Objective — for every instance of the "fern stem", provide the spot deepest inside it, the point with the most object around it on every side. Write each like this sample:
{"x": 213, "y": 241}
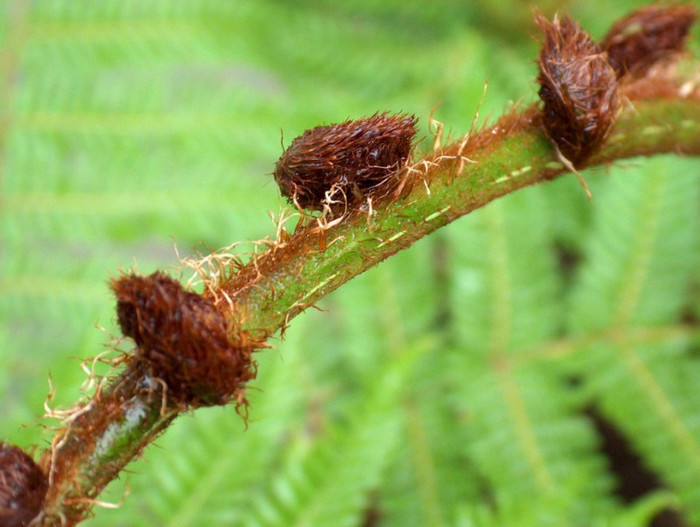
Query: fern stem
{"x": 293, "y": 275}
{"x": 99, "y": 440}
{"x": 102, "y": 437}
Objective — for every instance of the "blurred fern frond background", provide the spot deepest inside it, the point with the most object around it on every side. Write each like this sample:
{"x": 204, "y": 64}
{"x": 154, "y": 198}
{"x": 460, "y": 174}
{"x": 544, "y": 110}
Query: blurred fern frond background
{"x": 535, "y": 363}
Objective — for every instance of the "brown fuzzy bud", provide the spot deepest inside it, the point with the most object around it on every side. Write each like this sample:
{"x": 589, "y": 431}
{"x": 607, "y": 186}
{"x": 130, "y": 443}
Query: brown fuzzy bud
{"x": 22, "y": 487}
{"x": 646, "y": 35}
{"x": 183, "y": 339}
{"x": 345, "y": 163}
{"x": 578, "y": 88}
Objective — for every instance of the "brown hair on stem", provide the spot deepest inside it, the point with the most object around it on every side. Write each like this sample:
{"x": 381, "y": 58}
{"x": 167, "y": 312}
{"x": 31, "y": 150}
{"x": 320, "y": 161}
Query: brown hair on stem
{"x": 330, "y": 167}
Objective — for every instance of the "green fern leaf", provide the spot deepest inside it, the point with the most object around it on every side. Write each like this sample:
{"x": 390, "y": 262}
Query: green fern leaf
{"x": 523, "y": 433}
{"x": 329, "y": 481}
{"x": 639, "y": 263}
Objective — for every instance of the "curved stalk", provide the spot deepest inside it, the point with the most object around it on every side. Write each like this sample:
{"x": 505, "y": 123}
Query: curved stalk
{"x": 514, "y": 153}
{"x": 104, "y": 435}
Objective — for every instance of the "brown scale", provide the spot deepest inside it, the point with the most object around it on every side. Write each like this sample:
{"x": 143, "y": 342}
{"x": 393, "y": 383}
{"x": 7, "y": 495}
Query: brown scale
{"x": 645, "y": 36}
{"x": 183, "y": 339}
{"x": 23, "y": 486}
{"x": 578, "y": 87}
{"x": 344, "y": 164}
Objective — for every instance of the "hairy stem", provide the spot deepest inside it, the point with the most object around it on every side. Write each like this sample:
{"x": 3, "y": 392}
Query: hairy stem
{"x": 102, "y": 437}
{"x": 99, "y": 440}
{"x": 515, "y": 153}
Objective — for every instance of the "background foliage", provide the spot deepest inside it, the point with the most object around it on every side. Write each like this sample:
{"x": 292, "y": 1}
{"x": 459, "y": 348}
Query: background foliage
{"x": 464, "y": 382}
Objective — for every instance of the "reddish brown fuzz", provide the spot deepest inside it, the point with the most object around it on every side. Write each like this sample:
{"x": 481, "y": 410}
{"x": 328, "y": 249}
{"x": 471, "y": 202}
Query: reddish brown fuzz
{"x": 647, "y": 35}
{"x": 342, "y": 164}
{"x": 578, "y": 88}
{"x": 183, "y": 339}
{"x": 22, "y": 487}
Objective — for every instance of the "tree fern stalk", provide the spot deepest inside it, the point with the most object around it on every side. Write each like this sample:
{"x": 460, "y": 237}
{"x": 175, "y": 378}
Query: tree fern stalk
{"x": 295, "y": 272}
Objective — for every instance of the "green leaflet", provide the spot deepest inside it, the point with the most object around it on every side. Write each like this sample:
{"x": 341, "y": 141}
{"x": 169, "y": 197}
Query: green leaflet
{"x": 329, "y": 479}
{"x": 640, "y": 250}
{"x": 430, "y": 475}
{"x": 640, "y": 257}
{"x": 504, "y": 285}
{"x": 523, "y": 432}
{"x": 519, "y": 512}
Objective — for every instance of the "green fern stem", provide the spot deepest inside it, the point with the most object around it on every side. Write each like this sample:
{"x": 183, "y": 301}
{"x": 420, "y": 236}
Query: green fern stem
{"x": 104, "y": 435}
{"x": 514, "y": 153}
